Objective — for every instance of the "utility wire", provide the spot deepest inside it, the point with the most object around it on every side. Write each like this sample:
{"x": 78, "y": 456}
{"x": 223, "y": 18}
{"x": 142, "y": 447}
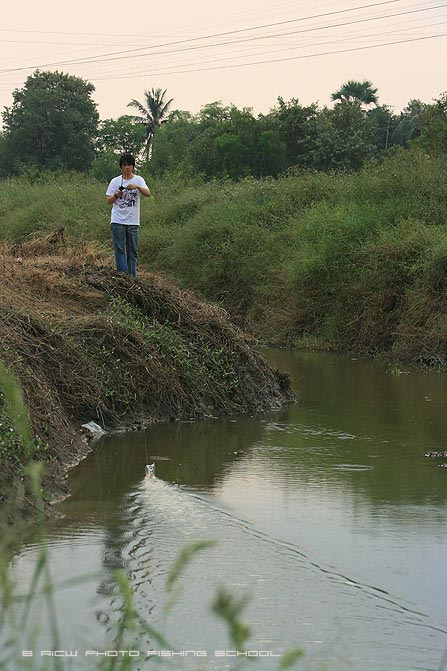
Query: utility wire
{"x": 284, "y": 47}
{"x": 167, "y": 66}
{"x": 63, "y": 44}
{"x": 250, "y": 39}
{"x": 278, "y": 60}
{"x": 195, "y": 39}
{"x": 59, "y": 32}
{"x": 104, "y": 44}
{"x": 133, "y": 35}
{"x": 293, "y": 58}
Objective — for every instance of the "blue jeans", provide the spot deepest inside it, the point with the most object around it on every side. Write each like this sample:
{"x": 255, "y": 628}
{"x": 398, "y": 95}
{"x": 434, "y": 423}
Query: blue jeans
{"x": 125, "y": 245}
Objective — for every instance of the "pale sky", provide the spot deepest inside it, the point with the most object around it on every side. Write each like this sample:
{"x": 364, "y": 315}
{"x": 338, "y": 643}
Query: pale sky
{"x": 187, "y": 48}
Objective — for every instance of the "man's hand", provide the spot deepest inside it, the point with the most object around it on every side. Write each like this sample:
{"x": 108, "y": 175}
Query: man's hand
{"x": 141, "y": 189}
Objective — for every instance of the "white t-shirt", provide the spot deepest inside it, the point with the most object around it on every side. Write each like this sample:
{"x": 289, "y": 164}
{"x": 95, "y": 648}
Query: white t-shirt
{"x": 126, "y": 210}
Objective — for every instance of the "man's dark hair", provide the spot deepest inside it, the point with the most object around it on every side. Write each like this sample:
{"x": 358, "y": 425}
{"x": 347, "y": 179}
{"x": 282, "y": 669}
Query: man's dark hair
{"x": 127, "y": 159}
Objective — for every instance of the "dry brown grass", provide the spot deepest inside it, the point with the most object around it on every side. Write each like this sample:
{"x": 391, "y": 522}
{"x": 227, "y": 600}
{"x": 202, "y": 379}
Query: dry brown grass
{"x": 88, "y": 343}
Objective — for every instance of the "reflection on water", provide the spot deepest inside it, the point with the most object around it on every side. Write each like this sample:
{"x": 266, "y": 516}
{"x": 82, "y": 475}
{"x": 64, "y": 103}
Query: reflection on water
{"x": 326, "y": 513}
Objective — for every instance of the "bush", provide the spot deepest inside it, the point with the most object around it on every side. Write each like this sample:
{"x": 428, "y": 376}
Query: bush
{"x": 308, "y": 254}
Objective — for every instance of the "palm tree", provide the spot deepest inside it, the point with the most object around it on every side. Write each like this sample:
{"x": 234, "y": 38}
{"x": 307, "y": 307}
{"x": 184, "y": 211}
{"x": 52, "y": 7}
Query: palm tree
{"x": 362, "y": 92}
{"x": 152, "y": 114}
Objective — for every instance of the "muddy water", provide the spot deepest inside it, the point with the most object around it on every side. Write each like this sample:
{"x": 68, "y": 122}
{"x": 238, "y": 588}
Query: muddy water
{"x": 326, "y": 514}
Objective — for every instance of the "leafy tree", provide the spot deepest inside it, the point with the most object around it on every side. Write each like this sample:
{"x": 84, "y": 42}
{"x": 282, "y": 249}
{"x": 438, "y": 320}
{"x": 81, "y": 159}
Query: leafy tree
{"x": 4, "y": 158}
{"x": 220, "y": 141}
{"x": 343, "y": 138}
{"x": 234, "y": 154}
{"x": 434, "y": 126}
{"x": 272, "y": 153}
{"x": 152, "y": 114}
{"x": 52, "y": 123}
{"x": 179, "y": 115}
{"x": 384, "y": 124}
{"x": 188, "y": 143}
{"x": 175, "y": 142}
{"x": 213, "y": 113}
{"x": 362, "y": 92}
{"x": 120, "y": 135}
{"x": 295, "y": 125}
{"x": 226, "y": 141}
{"x": 105, "y": 166}
{"x": 409, "y": 123}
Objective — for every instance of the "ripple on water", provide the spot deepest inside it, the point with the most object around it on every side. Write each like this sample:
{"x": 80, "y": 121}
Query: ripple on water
{"x": 290, "y": 591}
{"x": 352, "y": 467}
{"x": 295, "y": 599}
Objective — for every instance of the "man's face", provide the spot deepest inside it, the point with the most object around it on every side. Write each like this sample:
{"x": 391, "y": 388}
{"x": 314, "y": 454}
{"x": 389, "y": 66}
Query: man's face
{"x": 127, "y": 170}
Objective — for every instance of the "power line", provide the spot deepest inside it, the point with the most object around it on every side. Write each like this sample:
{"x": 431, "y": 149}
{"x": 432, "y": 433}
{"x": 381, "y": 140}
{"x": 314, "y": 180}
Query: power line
{"x": 293, "y": 58}
{"x": 195, "y": 39}
{"x": 251, "y": 39}
{"x": 416, "y": 22}
{"x": 278, "y": 60}
{"x": 133, "y": 35}
{"x": 271, "y": 51}
{"x": 260, "y": 11}
{"x": 63, "y": 44}
{"x": 59, "y": 32}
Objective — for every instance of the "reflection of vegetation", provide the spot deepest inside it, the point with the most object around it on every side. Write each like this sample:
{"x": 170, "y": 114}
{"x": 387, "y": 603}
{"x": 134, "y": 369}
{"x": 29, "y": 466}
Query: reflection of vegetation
{"x": 351, "y": 412}
{"x": 192, "y": 454}
{"x": 355, "y": 412}
{"x": 88, "y": 343}
{"x": 131, "y": 628}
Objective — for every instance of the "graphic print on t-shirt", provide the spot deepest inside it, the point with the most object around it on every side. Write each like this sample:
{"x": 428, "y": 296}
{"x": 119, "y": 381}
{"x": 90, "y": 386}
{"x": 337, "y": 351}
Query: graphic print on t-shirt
{"x": 128, "y": 198}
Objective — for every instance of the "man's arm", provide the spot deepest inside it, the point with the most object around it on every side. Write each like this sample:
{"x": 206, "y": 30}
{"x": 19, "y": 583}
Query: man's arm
{"x": 112, "y": 195}
{"x": 144, "y": 191}
{"x": 113, "y": 198}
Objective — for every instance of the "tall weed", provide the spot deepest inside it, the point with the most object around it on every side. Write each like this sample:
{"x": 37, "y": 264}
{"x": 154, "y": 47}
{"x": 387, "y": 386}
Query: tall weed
{"x": 286, "y": 257}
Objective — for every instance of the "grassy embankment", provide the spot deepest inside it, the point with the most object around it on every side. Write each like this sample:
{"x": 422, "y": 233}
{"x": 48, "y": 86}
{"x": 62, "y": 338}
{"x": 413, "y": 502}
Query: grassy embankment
{"x": 356, "y": 262}
{"x": 88, "y": 343}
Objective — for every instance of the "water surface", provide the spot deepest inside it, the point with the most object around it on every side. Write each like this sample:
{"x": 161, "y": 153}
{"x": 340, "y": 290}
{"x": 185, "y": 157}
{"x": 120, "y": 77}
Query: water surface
{"x": 327, "y": 514}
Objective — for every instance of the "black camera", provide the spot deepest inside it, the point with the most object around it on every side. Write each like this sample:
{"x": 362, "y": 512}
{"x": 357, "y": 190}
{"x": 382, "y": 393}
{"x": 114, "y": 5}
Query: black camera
{"x": 121, "y": 188}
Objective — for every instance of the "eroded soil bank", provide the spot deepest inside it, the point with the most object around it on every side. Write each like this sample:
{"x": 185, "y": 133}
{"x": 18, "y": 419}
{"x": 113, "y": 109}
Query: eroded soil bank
{"x": 87, "y": 343}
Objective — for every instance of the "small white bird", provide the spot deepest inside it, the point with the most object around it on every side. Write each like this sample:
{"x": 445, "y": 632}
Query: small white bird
{"x": 150, "y": 470}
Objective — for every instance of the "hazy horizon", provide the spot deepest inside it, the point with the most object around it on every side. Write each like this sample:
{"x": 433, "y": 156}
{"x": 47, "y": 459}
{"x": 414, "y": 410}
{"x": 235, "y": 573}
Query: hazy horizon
{"x": 246, "y": 54}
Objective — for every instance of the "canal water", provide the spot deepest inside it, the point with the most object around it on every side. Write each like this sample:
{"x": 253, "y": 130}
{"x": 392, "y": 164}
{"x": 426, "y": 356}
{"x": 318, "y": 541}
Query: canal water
{"x": 328, "y": 519}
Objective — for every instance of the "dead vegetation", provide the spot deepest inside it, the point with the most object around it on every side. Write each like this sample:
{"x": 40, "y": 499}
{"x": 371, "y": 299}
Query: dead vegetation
{"x": 89, "y": 343}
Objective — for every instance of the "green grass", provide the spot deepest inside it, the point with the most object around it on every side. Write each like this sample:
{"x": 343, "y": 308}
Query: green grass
{"x": 357, "y": 260}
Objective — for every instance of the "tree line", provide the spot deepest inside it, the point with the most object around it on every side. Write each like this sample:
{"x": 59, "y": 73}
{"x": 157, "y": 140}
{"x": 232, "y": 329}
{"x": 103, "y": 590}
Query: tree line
{"x": 53, "y": 124}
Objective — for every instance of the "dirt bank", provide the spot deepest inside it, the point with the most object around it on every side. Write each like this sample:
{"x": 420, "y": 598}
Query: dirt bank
{"x": 87, "y": 343}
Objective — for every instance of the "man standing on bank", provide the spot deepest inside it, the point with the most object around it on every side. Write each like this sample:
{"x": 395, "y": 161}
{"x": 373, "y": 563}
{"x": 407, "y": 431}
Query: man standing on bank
{"x": 124, "y": 194}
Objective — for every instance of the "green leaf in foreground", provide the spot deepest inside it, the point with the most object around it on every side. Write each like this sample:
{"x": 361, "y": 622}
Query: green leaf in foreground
{"x": 186, "y": 555}
{"x": 290, "y": 658}
{"x": 229, "y": 608}
{"x": 16, "y": 408}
